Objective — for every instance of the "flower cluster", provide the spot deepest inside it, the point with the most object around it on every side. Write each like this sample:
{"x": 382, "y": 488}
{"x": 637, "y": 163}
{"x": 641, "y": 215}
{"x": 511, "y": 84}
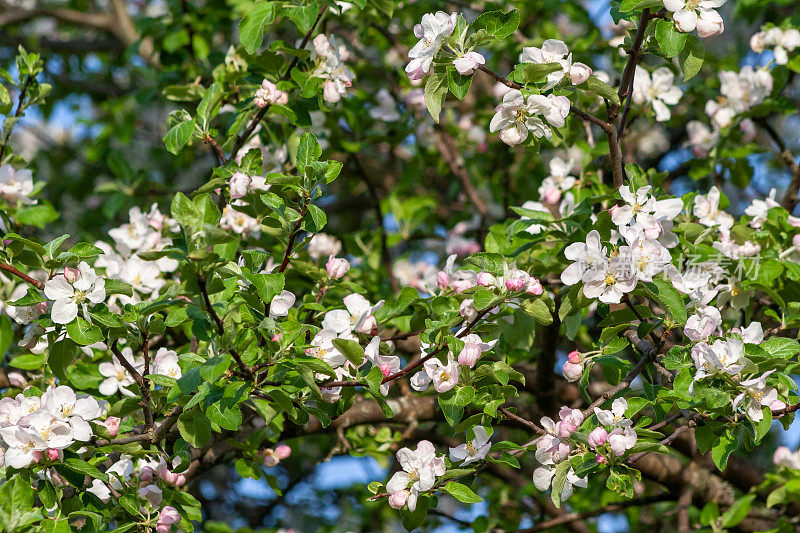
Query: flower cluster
{"x": 330, "y": 56}
{"x": 421, "y": 467}
{"x": 33, "y": 426}
{"x": 781, "y": 41}
{"x": 518, "y": 115}
{"x": 555, "y": 447}
{"x": 555, "y": 51}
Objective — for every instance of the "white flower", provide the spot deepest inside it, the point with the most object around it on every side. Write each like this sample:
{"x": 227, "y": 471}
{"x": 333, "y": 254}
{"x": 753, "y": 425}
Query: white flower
{"x": 100, "y": 490}
{"x": 757, "y": 394}
{"x": 16, "y": 185}
{"x": 117, "y": 378}
{"x": 323, "y": 245}
{"x": 706, "y": 208}
{"x": 753, "y": 334}
{"x": 691, "y": 14}
{"x": 421, "y": 467}
{"x": 357, "y": 315}
{"x": 474, "y": 450}
{"x": 23, "y": 445}
{"x": 69, "y": 296}
{"x": 444, "y": 376}
{"x": 543, "y": 477}
{"x": 65, "y": 405}
{"x": 722, "y": 356}
{"x": 518, "y": 116}
{"x": 331, "y": 67}
{"x": 166, "y": 363}
{"x": 322, "y": 347}
{"x": 612, "y": 280}
{"x": 238, "y": 222}
{"x": 658, "y": 90}
{"x": 555, "y": 51}
{"x": 616, "y": 416}
{"x": 759, "y": 209}
{"x": 144, "y": 276}
{"x": 120, "y": 472}
{"x": 703, "y": 323}
{"x": 280, "y": 305}
{"x": 388, "y": 364}
{"x": 534, "y": 229}
{"x": 431, "y": 32}
{"x": 621, "y": 440}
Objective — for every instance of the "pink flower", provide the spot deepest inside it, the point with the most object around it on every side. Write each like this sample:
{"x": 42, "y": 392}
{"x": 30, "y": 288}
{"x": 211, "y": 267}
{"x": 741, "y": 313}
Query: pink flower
{"x": 470, "y": 354}
{"x": 571, "y": 420}
{"x": 53, "y": 454}
{"x": 517, "y": 280}
{"x": 467, "y": 309}
{"x": 337, "y": 267}
{"x": 486, "y": 280}
{"x": 466, "y": 64}
{"x": 442, "y": 279}
{"x": 72, "y": 274}
{"x": 386, "y": 370}
{"x": 147, "y": 474}
{"x": 282, "y": 451}
{"x": 276, "y": 337}
{"x": 16, "y": 379}
{"x": 112, "y": 425}
{"x": 602, "y": 460}
{"x": 575, "y": 357}
{"x": 152, "y": 494}
{"x": 416, "y": 74}
{"x": 398, "y": 499}
{"x": 597, "y": 437}
{"x": 269, "y": 94}
{"x": 534, "y": 287}
{"x": 168, "y": 516}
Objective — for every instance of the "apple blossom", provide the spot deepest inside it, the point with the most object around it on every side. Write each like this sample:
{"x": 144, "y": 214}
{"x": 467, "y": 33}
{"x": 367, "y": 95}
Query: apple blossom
{"x": 336, "y": 267}
{"x": 421, "y": 467}
{"x": 693, "y": 14}
{"x": 16, "y": 185}
{"x": 69, "y": 297}
{"x": 431, "y": 32}
{"x": 323, "y": 245}
{"x": 473, "y": 349}
{"x": 280, "y": 305}
{"x": 168, "y": 516}
{"x": 268, "y": 94}
{"x": 357, "y": 315}
{"x": 466, "y": 64}
{"x": 614, "y": 417}
{"x": 597, "y": 437}
{"x": 657, "y": 89}
{"x": 756, "y": 394}
{"x": 706, "y": 209}
{"x": 474, "y": 450}
{"x": 621, "y": 440}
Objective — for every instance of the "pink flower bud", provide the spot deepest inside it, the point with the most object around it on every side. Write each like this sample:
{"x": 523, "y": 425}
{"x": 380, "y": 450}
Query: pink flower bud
{"x": 330, "y": 93}
{"x": 534, "y": 287}
{"x": 276, "y": 337}
{"x": 460, "y": 285}
{"x": 575, "y": 357}
{"x": 442, "y": 279}
{"x": 386, "y": 370}
{"x": 572, "y": 372}
{"x": 517, "y": 280}
{"x": 53, "y": 454}
{"x": 168, "y": 516}
{"x": 147, "y": 474}
{"x": 469, "y": 355}
{"x": 486, "y": 280}
{"x": 37, "y": 456}
{"x": 17, "y": 380}
{"x": 602, "y": 460}
{"x": 416, "y": 74}
{"x": 152, "y": 494}
{"x": 112, "y": 425}
{"x": 398, "y": 499}
{"x": 552, "y": 196}
{"x": 337, "y": 267}
{"x": 282, "y": 451}
{"x": 72, "y": 274}
{"x": 597, "y": 437}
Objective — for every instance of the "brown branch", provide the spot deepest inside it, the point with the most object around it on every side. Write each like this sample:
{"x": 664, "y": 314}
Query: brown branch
{"x": 449, "y": 151}
{"x": 525, "y": 422}
{"x": 11, "y": 270}
{"x": 622, "y": 385}
{"x": 216, "y": 148}
{"x": 201, "y": 282}
{"x": 293, "y": 236}
{"x": 499, "y": 78}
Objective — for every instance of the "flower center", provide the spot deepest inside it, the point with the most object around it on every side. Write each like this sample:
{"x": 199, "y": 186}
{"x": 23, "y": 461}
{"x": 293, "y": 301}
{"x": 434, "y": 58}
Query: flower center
{"x": 471, "y": 449}
{"x": 611, "y": 279}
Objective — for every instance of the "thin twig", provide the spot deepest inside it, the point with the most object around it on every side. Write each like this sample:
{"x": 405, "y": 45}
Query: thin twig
{"x": 293, "y": 236}
{"x": 11, "y": 270}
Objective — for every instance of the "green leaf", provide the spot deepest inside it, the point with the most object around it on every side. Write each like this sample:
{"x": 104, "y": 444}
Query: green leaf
{"x": 635, "y": 5}
{"x": 600, "y": 88}
{"x": 781, "y": 347}
{"x": 251, "y": 29}
{"x": 268, "y": 286}
{"x": 526, "y": 73}
{"x": 435, "y": 91}
{"x": 61, "y": 354}
{"x": 724, "y": 447}
{"x": 308, "y": 151}
{"x": 738, "y": 511}
{"x": 496, "y": 23}
{"x": 666, "y": 295}
{"x": 538, "y": 310}
{"x": 318, "y": 219}
{"x": 462, "y": 493}
{"x": 559, "y": 479}
{"x": 458, "y": 84}
{"x": 178, "y": 135}
{"x": 16, "y": 505}
{"x": 350, "y": 349}
{"x": 691, "y": 57}
{"x": 84, "y": 333}
{"x": 670, "y": 40}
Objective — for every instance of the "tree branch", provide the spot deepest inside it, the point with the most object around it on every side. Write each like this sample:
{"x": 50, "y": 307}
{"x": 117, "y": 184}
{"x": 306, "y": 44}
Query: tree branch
{"x": 11, "y": 270}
